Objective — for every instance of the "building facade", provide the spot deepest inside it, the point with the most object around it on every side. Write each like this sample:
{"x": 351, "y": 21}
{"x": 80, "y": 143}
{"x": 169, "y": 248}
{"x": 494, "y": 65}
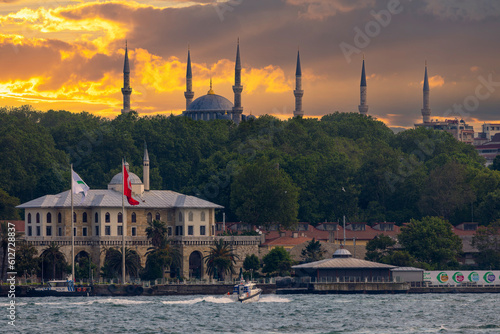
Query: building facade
{"x": 99, "y": 223}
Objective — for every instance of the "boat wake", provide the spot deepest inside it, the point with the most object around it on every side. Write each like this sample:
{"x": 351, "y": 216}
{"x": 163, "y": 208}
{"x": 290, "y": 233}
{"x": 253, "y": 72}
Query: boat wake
{"x": 225, "y": 300}
{"x": 273, "y": 299}
{"x": 209, "y": 299}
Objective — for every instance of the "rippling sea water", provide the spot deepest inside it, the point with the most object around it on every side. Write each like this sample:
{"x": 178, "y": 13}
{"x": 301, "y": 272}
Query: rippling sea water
{"x": 426, "y": 313}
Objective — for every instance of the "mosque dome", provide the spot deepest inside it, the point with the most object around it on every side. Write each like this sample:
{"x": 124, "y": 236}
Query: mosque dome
{"x": 210, "y": 102}
{"x": 118, "y": 179}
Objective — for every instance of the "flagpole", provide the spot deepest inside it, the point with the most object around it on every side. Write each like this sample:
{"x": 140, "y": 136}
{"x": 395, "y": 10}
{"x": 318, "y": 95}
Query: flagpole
{"x": 123, "y": 222}
{"x": 72, "y": 231}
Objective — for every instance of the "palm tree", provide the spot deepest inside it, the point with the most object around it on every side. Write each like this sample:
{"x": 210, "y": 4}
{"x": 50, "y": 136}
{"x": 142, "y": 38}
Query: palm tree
{"x": 157, "y": 232}
{"x": 113, "y": 263}
{"x": 25, "y": 261}
{"x": 220, "y": 260}
{"x": 4, "y": 240}
{"x": 53, "y": 252}
{"x": 165, "y": 256}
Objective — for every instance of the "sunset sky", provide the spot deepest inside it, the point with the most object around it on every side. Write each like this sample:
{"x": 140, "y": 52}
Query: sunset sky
{"x": 69, "y": 55}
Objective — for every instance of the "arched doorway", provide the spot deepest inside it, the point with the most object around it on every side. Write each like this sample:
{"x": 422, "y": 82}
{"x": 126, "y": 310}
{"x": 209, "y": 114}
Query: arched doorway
{"x": 195, "y": 269}
{"x": 83, "y": 266}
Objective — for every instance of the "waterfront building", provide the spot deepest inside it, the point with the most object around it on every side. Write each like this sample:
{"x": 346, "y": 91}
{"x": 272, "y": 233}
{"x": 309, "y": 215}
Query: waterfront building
{"x": 490, "y": 129}
{"x": 342, "y": 266}
{"x": 98, "y": 222}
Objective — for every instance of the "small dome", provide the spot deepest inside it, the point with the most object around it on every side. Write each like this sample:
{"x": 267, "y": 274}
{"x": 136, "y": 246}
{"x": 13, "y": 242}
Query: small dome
{"x": 118, "y": 179}
{"x": 210, "y": 102}
{"x": 342, "y": 252}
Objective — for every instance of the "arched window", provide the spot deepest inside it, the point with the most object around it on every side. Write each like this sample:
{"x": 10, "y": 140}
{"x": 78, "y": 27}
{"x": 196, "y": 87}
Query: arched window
{"x": 59, "y": 218}
{"x": 37, "y": 218}
{"x": 49, "y": 217}
{"x": 190, "y": 216}
{"x": 29, "y": 218}
{"x": 157, "y": 216}
{"x": 149, "y": 217}
{"x": 74, "y": 217}
{"x": 96, "y": 218}
{"x": 107, "y": 217}
{"x": 180, "y": 216}
{"x": 84, "y": 217}
{"x": 120, "y": 218}
{"x": 134, "y": 217}
{"x": 203, "y": 216}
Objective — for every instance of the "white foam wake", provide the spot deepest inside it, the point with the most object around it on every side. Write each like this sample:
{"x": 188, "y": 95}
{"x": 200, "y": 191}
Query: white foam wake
{"x": 273, "y": 299}
{"x": 208, "y": 299}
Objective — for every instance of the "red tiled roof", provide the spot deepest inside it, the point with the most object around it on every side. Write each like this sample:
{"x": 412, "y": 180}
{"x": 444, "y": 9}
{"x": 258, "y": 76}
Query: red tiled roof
{"x": 19, "y": 224}
{"x": 286, "y": 241}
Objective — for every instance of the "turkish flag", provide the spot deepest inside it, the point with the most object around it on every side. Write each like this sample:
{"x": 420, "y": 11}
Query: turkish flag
{"x": 127, "y": 187}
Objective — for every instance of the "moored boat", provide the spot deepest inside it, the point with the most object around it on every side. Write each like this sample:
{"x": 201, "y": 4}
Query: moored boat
{"x": 60, "y": 288}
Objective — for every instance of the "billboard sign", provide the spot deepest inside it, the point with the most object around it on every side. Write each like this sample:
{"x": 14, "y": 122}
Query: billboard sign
{"x": 449, "y": 277}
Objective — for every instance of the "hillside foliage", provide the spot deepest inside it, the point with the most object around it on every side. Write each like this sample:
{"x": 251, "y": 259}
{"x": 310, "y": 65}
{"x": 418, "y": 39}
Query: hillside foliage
{"x": 264, "y": 170}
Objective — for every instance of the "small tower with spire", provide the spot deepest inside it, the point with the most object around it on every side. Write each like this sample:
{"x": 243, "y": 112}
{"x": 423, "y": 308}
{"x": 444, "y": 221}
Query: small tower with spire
{"x": 189, "y": 94}
{"x": 363, "y": 107}
{"x": 126, "y": 90}
{"x": 298, "y": 92}
{"x": 237, "y": 88}
{"x": 145, "y": 168}
{"x": 426, "y": 110}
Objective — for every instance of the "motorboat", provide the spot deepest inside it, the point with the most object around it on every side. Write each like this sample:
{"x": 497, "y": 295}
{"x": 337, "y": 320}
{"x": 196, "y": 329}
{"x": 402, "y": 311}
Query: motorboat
{"x": 246, "y": 292}
{"x": 61, "y": 288}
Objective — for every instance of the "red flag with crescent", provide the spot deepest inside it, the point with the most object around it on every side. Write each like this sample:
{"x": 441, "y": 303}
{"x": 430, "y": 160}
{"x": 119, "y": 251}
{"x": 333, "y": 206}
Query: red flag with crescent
{"x": 127, "y": 187}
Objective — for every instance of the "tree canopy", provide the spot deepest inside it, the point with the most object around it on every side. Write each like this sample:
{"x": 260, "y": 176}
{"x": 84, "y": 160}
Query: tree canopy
{"x": 431, "y": 240}
{"x": 310, "y": 170}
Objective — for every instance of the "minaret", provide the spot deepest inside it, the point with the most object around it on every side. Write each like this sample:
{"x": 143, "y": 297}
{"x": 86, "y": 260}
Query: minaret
{"x": 363, "y": 107}
{"x": 426, "y": 110}
{"x": 189, "y": 94}
{"x": 237, "y": 88}
{"x": 126, "y": 90}
{"x": 298, "y": 92}
{"x": 145, "y": 168}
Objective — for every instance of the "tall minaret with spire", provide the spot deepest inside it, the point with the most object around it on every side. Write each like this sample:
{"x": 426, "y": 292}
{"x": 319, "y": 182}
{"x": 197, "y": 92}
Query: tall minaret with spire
{"x": 237, "y": 88}
{"x": 363, "y": 107}
{"x": 189, "y": 94}
{"x": 426, "y": 110}
{"x": 145, "y": 168}
{"x": 298, "y": 92}
{"x": 126, "y": 90}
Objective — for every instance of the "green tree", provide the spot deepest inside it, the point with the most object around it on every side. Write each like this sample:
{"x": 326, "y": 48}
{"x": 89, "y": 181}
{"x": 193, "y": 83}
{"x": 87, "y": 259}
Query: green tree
{"x": 156, "y": 232}
{"x": 220, "y": 260}
{"x": 313, "y": 251}
{"x": 112, "y": 267}
{"x": 496, "y": 163}
{"x": 8, "y": 206}
{"x": 431, "y": 240}
{"x": 251, "y": 263}
{"x": 379, "y": 247}
{"x": 277, "y": 261}
{"x": 262, "y": 194}
{"x": 53, "y": 256}
{"x": 26, "y": 262}
{"x": 160, "y": 258}
{"x": 487, "y": 241}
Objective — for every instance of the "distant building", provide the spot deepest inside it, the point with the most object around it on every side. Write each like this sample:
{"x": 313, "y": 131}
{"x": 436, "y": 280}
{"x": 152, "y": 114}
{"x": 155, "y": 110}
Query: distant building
{"x": 458, "y": 129}
{"x": 490, "y": 150}
{"x": 491, "y": 129}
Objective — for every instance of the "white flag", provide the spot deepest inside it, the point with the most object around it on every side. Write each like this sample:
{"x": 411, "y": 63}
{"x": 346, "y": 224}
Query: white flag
{"x": 78, "y": 185}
